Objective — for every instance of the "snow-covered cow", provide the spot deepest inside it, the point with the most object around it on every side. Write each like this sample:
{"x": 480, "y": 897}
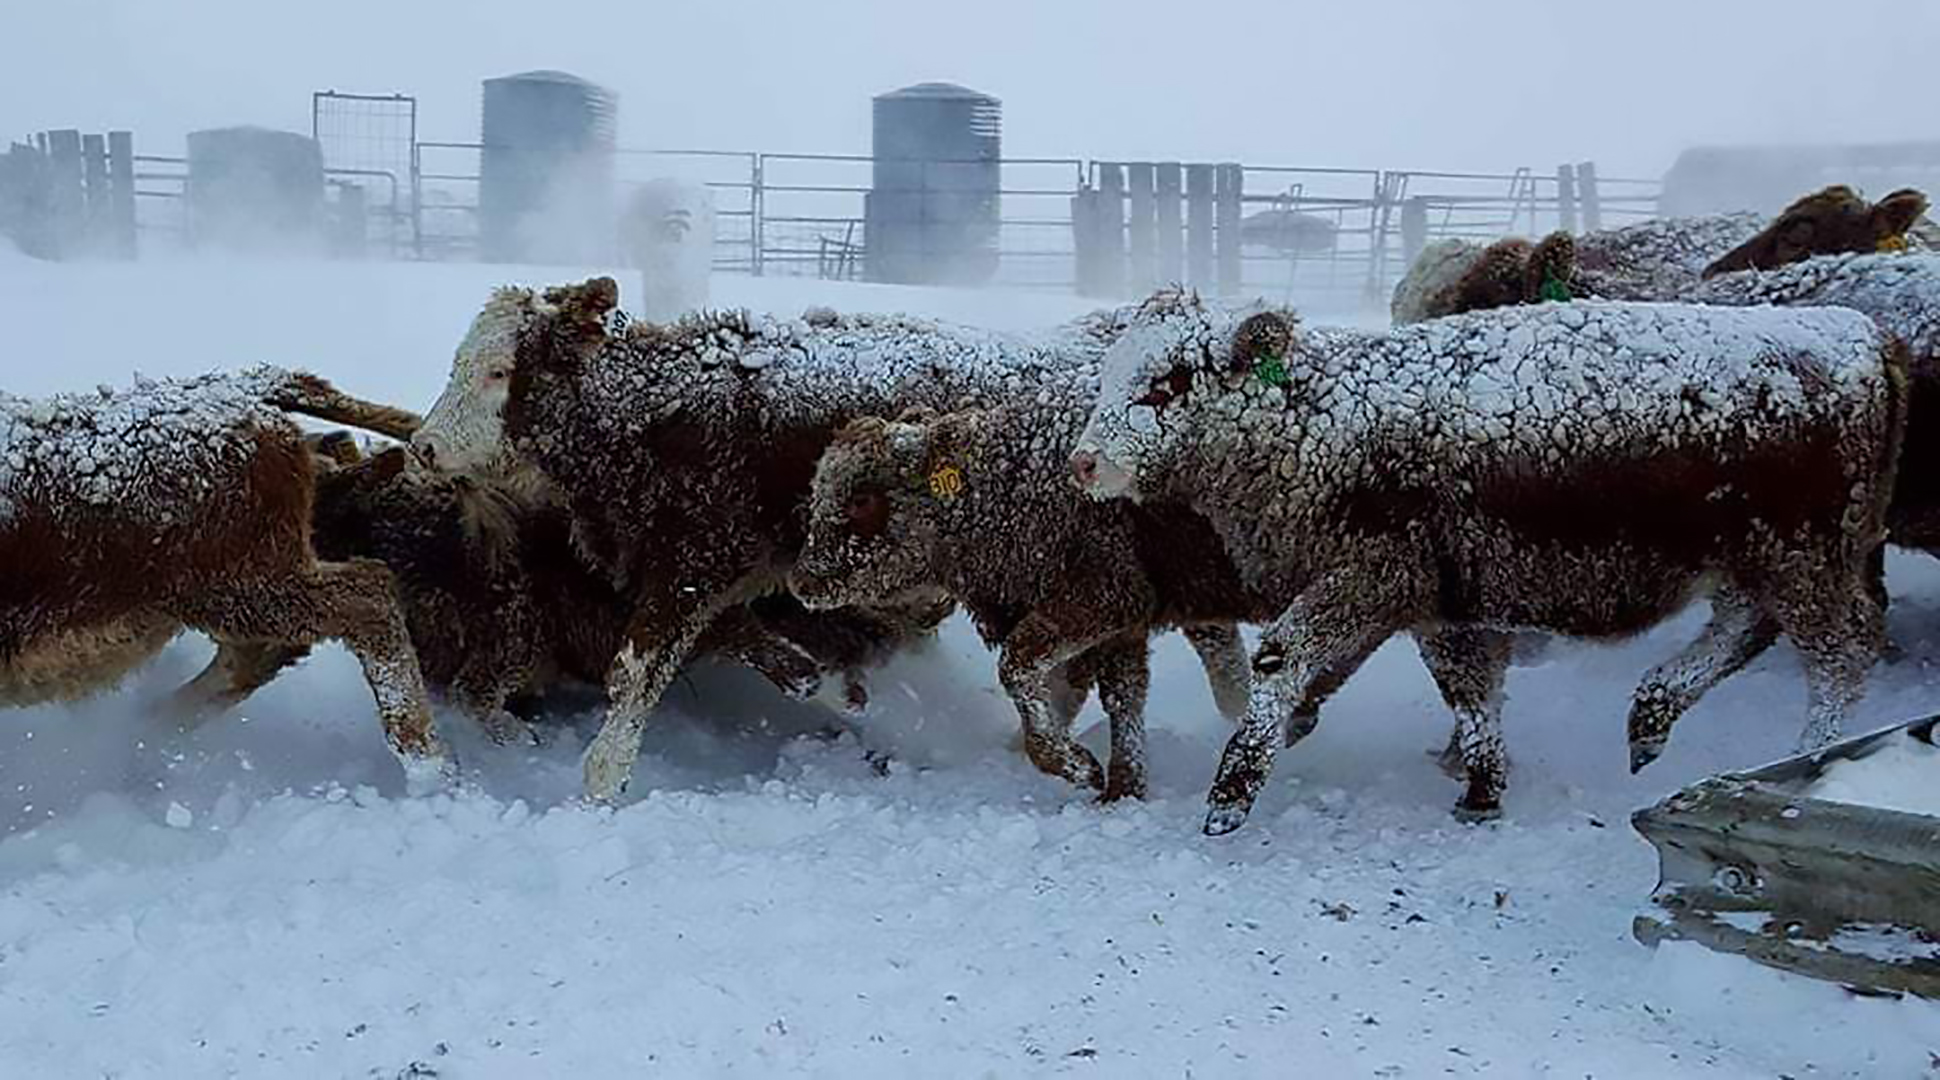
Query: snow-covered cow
{"x": 1070, "y": 590}
{"x": 127, "y": 515}
{"x": 685, "y": 451}
{"x": 502, "y": 608}
{"x": 1585, "y": 469}
{"x": 1901, "y": 294}
{"x": 1663, "y": 259}
{"x": 1650, "y": 260}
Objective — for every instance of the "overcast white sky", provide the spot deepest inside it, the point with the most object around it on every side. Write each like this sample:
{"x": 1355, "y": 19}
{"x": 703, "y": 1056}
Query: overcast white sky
{"x": 1446, "y": 84}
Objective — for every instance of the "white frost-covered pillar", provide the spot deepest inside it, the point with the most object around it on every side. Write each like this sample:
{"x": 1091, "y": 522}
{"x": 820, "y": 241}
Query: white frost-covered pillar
{"x": 669, "y": 235}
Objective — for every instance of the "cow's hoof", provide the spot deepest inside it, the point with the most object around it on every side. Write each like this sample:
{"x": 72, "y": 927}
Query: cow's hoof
{"x": 1222, "y": 819}
{"x": 1644, "y": 752}
{"x": 428, "y": 774}
{"x": 1476, "y": 815}
{"x": 606, "y": 778}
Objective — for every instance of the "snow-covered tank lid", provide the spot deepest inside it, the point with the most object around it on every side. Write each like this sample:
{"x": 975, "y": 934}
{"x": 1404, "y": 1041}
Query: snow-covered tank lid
{"x": 935, "y": 90}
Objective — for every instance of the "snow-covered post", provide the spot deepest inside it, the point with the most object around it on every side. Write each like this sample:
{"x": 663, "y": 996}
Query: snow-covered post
{"x": 1142, "y": 228}
{"x": 669, "y": 235}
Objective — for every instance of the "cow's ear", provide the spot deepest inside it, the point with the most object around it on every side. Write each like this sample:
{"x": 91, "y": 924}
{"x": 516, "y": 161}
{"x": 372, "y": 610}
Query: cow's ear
{"x": 1262, "y": 339}
{"x": 587, "y": 303}
{"x": 1896, "y": 213}
{"x": 387, "y": 465}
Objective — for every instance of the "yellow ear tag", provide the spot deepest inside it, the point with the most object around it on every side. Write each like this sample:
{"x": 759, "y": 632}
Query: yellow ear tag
{"x": 1892, "y": 243}
{"x": 946, "y": 482}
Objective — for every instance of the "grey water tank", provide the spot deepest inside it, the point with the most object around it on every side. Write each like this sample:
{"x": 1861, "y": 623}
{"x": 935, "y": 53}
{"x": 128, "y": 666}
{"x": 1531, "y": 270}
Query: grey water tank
{"x": 254, "y": 188}
{"x": 933, "y": 206}
{"x": 545, "y": 183}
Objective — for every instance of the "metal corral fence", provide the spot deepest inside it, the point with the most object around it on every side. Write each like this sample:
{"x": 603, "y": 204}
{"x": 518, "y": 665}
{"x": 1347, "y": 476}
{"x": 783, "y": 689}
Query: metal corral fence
{"x": 1301, "y": 230}
{"x": 1107, "y": 229}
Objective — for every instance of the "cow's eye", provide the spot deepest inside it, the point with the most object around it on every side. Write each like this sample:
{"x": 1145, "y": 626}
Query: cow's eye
{"x": 1173, "y": 384}
{"x": 868, "y": 513}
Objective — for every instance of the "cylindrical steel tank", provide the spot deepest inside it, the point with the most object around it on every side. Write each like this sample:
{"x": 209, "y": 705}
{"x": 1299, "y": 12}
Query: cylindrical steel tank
{"x": 933, "y": 207}
{"x": 254, "y": 188}
{"x": 545, "y": 184}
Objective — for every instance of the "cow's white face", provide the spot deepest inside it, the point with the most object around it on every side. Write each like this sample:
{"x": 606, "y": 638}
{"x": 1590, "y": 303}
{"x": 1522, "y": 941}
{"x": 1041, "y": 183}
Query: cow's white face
{"x": 465, "y": 429}
{"x": 1178, "y": 364}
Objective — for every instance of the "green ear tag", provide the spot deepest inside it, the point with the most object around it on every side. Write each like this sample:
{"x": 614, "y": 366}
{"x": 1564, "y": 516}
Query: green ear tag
{"x": 1271, "y": 370}
{"x": 1554, "y": 289}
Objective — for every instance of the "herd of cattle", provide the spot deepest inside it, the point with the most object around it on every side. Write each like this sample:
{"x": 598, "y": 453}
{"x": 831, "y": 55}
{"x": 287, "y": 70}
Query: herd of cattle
{"x": 1578, "y": 436}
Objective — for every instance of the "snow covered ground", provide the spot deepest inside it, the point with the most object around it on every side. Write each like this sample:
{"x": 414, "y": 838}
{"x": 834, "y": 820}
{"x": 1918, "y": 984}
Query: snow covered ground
{"x": 258, "y": 899}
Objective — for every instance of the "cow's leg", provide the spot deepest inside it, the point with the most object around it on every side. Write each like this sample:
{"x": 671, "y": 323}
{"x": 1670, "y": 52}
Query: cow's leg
{"x": 1124, "y": 677}
{"x": 659, "y": 639}
{"x": 354, "y": 602}
{"x": 742, "y": 637}
{"x": 1228, "y": 671}
{"x": 1468, "y": 665}
{"x": 1838, "y": 630}
{"x": 1740, "y": 629}
{"x": 1344, "y": 614}
{"x": 1046, "y": 640}
{"x": 238, "y": 669}
{"x": 1326, "y": 683}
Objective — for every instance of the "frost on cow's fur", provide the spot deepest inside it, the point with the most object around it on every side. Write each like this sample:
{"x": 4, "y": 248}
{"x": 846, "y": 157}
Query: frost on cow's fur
{"x": 1652, "y": 260}
{"x": 685, "y": 449}
{"x": 1899, "y": 292}
{"x": 1581, "y": 468}
{"x": 979, "y": 502}
{"x": 137, "y": 451}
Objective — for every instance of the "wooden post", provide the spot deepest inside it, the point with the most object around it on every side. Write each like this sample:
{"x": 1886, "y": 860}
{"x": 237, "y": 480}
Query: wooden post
{"x": 1111, "y": 229}
{"x": 1172, "y": 264}
{"x": 1143, "y": 229}
{"x": 1084, "y": 240}
{"x": 69, "y": 205}
{"x": 1414, "y": 228}
{"x": 1230, "y": 184}
{"x": 121, "y": 194}
{"x": 1566, "y": 198}
{"x": 94, "y": 174}
{"x": 1199, "y": 225}
{"x": 1586, "y": 187}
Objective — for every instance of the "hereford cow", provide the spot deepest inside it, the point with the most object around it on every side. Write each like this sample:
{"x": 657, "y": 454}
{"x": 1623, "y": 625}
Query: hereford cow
{"x": 1651, "y": 260}
{"x": 978, "y": 504}
{"x": 684, "y": 452}
{"x": 1585, "y": 469}
{"x": 502, "y": 609}
{"x": 128, "y": 515}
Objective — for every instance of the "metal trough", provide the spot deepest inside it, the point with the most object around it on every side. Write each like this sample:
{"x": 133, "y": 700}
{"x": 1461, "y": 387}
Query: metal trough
{"x": 1751, "y": 863}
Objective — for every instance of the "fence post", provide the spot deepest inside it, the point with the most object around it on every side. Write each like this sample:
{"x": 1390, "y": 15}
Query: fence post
{"x": 1199, "y": 225}
{"x": 1109, "y": 216}
{"x": 1084, "y": 239}
{"x": 70, "y": 199}
{"x": 94, "y": 192}
{"x": 1566, "y": 198}
{"x": 121, "y": 193}
{"x": 1592, "y": 204}
{"x": 1414, "y": 228}
{"x": 1172, "y": 266}
{"x": 1143, "y": 227}
{"x": 756, "y": 201}
{"x": 1230, "y": 186}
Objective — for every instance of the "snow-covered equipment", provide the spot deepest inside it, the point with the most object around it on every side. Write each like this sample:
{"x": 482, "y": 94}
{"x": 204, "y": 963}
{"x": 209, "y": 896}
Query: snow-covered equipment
{"x": 1826, "y": 864}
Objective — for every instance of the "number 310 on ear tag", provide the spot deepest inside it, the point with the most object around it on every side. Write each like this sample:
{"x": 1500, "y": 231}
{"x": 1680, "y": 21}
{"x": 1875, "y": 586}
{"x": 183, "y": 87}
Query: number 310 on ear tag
{"x": 946, "y": 482}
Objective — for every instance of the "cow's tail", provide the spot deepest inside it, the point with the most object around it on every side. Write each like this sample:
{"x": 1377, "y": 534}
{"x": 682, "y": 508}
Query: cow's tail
{"x": 312, "y": 395}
